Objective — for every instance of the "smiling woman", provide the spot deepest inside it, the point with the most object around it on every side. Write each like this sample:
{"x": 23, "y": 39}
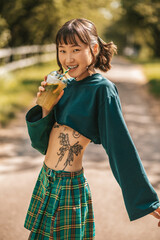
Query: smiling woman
{"x": 88, "y": 109}
{"x": 78, "y": 57}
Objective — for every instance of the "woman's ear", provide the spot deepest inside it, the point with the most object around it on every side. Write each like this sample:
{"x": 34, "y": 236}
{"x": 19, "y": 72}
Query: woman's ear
{"x": 95, "y": 49}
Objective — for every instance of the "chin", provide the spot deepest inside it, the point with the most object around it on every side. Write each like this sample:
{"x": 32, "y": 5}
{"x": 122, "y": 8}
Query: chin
{"x": 73, "y": 75}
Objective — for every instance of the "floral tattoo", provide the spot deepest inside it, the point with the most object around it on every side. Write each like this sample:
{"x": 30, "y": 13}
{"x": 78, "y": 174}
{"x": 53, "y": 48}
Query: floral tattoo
{"x": 66, "y": 147}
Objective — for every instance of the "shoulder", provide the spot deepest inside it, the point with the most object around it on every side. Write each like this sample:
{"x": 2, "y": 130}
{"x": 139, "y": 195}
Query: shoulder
{"x": 106, "y": 88}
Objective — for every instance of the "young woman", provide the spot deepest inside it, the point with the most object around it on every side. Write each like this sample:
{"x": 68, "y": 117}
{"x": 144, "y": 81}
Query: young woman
{"x": 87, "y": 110}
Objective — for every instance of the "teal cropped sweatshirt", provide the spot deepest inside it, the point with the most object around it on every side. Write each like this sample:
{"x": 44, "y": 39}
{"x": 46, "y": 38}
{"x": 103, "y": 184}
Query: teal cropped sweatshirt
{"x": 92, "y": 107}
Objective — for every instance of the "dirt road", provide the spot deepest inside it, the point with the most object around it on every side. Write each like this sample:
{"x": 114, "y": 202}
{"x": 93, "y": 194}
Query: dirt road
{"x": 20, "y": 164}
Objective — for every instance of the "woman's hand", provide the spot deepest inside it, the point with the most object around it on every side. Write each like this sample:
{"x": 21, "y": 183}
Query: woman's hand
{"x": 156, "y": 214}
{"x": 42, "y": 89}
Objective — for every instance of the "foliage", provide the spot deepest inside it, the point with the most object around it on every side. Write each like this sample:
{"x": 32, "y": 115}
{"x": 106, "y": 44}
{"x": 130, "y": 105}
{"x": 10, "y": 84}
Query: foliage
{"x": 151, "y": 69}
{"x": 36, "y": 22}
{"x": 30, "y": 22}
{"x": 154, "y": 86}
{"x": 148, "y": 23}
{"x": 135, "y": 23}
{"x": 18, "y": 89}
{"x": 4, "y": 32}
{"x": 152, "y": 72}
{"x": 139, "y": 26}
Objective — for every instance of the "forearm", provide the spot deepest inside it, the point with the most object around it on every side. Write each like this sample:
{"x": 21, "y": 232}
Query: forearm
{"x": 139, "y": 196}
{"x": 39, "y": 127}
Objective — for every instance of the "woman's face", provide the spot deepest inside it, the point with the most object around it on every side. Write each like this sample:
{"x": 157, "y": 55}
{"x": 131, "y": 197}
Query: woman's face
{"x": 78, "y": 57}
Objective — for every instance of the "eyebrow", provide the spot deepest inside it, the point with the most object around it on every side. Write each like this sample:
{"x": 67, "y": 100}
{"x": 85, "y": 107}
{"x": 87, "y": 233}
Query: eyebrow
{"x": 74, "y": 45}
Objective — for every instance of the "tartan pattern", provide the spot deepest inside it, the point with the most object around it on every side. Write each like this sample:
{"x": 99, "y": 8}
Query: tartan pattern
{"x": 61, "y": 207}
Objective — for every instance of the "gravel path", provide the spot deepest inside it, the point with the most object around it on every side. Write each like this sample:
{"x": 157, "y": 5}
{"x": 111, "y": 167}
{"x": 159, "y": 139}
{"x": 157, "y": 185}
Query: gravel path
{"x": 20, "y": 165}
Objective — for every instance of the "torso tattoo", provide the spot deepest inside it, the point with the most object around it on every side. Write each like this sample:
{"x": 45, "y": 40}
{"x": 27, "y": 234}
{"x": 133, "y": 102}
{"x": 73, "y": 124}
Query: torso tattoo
{"x": 76, "y": 134}
{"x": 56, "y": 125}
{"x": 66, "y": 147}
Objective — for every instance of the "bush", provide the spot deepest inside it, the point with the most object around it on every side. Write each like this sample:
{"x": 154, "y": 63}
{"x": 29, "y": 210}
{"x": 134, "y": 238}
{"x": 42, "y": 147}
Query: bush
{"x": 154, "y": 86}
{"x": 18, "y": 89}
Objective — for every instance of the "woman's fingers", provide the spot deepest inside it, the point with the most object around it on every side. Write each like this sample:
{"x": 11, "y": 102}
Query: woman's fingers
{"x": 38, "y": 94}
{"x": 157, "y": 211}
{"x": 43, "y": 83}
{"x": 42, "y": 87}
{"x": 156, "y": 214}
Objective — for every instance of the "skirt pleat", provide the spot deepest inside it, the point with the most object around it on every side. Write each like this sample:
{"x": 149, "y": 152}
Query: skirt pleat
{"x": 61, "y": 207}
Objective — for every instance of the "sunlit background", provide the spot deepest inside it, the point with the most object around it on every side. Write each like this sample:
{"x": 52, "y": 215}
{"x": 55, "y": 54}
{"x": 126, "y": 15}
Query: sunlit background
{"x": 134, "y": 26}
{"x": 27, "y": 53}
{"x": 131, "y": 24}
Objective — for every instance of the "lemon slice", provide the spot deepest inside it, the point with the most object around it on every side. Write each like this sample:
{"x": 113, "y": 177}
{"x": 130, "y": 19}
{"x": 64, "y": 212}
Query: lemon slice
{"x": 54, "y": 91}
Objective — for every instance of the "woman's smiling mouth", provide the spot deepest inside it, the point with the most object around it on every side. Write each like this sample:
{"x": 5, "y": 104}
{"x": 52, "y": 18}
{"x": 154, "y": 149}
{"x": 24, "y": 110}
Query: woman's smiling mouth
{"x": 72, "y": 67}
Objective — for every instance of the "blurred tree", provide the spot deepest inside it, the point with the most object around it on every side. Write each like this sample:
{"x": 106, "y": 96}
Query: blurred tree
{"x": 36, "y": 22}
{"x": 144, "y": 16}
{"x": 84, "y": 9}
{"x": 4, "y": 32}
{"x": 138, "y": 26}
{"x": 30, "y": 22}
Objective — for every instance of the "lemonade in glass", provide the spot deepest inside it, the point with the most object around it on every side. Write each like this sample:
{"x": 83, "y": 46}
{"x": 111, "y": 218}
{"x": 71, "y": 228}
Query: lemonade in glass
{"x": 55, "y": 84}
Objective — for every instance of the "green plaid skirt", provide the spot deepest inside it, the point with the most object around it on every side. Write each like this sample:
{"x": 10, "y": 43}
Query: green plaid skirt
{"x": 61, "y": 207}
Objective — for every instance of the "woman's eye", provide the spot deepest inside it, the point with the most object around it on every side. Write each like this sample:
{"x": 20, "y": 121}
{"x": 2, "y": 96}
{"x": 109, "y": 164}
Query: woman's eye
{"x": 61, "y": 51}
{"x": 76, "y": 50}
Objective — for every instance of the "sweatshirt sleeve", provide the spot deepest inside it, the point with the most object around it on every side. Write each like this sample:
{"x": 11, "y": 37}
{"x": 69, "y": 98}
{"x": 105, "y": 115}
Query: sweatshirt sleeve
{"x": 139, "y": 196}
{"x": 39, "y": 128}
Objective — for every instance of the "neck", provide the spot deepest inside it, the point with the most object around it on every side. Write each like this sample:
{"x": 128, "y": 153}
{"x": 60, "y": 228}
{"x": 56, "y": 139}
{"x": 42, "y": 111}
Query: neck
{"x": 89, "y": 71}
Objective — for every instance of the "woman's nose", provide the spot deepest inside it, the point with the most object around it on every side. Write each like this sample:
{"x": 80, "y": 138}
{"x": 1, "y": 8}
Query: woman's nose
{"x": 69, "y": 58}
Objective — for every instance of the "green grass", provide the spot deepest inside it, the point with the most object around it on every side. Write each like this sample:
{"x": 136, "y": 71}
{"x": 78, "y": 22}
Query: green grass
{"x": 18, "y": 88}
{"x": 151, "y": 69}
{"x": 152, "y": 72}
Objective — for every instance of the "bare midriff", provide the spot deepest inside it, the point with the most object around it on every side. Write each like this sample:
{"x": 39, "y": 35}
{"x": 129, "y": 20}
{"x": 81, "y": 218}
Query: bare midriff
{"x": 65, "y": 149}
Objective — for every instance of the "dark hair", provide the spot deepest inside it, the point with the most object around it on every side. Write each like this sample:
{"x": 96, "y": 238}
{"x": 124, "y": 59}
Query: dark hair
{"x": 86, "y": 31}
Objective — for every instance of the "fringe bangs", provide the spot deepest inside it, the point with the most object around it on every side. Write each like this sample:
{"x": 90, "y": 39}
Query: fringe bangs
{"x": 67, "y": 35}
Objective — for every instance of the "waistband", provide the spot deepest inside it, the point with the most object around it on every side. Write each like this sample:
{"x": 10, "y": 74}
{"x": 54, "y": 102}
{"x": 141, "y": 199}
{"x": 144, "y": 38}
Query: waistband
{"x": 61, "y": 173}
